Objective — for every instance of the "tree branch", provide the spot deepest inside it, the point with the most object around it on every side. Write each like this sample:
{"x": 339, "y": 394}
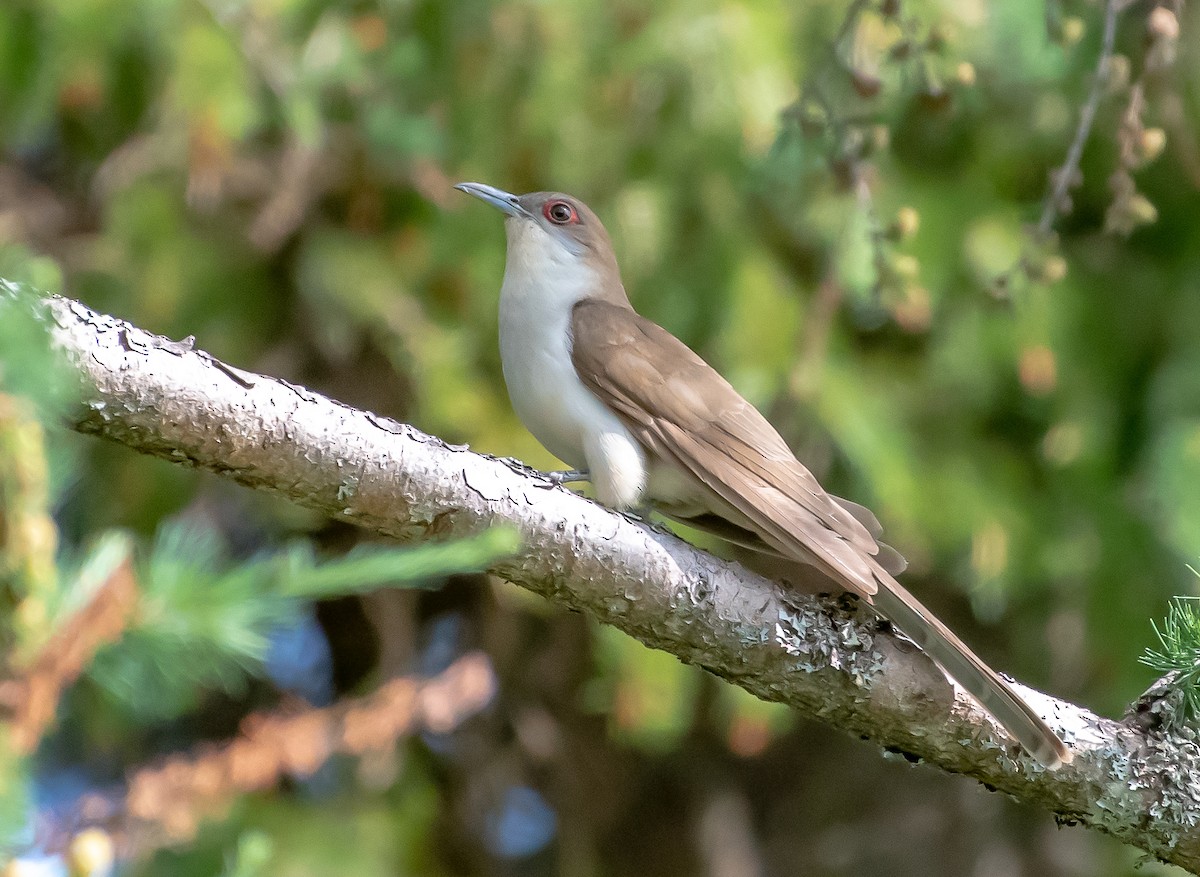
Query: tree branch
{"x": 172, "y": 401}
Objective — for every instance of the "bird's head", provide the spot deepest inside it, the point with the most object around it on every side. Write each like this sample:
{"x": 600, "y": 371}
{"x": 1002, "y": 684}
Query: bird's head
{"x": 549, "y": 227}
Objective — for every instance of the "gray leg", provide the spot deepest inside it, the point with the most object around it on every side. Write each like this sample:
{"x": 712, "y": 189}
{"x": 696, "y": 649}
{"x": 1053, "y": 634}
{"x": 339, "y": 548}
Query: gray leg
{"x": 570, "y": 476}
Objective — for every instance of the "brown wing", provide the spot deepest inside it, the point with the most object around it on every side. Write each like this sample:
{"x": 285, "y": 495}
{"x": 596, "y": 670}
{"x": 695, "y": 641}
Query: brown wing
{"x": 684, "y": 411}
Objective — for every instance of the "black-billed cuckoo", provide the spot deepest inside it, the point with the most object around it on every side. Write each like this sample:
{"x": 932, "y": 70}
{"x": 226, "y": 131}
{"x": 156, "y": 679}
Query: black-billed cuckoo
{"x": 646, "y": 420}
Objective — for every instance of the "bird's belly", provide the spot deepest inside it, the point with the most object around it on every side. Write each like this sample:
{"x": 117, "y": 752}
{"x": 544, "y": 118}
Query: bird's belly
{"x": 564, "y": 415}
{"x": 549, "y": 398}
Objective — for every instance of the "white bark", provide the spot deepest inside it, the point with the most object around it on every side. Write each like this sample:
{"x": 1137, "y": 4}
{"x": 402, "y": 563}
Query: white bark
{"x": 168, "y": 399}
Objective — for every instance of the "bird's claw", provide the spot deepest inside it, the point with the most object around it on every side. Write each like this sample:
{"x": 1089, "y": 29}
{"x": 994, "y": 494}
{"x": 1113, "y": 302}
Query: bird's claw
{"x": 568, "y": 476}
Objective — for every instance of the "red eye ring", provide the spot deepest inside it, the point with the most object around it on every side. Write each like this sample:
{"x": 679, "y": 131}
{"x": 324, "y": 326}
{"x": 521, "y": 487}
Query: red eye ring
{"x": 560, "y": 212}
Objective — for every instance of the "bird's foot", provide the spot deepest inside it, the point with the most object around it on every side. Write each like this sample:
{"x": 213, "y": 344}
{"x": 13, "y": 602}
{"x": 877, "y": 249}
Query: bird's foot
{"x": 642, "y": 514}
{"x": 569, "y": 476}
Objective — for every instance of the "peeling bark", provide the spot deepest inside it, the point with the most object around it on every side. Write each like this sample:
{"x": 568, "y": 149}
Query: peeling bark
{"x": 171, "y": 400}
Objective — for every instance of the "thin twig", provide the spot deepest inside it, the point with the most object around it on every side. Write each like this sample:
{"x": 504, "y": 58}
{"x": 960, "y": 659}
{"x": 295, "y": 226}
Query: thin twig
{"x": 1064, "y": 178}
{"x": 32, "y": 698}
{"x": 166, "y": 803}
{"x": 812, "y": 89}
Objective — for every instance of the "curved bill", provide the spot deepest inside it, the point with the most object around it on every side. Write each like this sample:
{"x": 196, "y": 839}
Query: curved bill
{"x": 498, "y": 198}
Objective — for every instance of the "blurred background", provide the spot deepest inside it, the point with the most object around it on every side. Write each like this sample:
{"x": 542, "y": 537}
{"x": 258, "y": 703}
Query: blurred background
{"x": 834, "y": 202}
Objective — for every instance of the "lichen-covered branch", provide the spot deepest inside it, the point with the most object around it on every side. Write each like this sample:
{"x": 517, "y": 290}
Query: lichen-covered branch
{"x": 171, "y": 400}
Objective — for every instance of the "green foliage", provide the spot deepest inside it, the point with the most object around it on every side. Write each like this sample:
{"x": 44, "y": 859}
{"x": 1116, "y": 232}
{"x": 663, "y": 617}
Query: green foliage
{"x": 274, "y": 178}
{"x": 1178, "y": 652}
{"x": 205, "y": 619}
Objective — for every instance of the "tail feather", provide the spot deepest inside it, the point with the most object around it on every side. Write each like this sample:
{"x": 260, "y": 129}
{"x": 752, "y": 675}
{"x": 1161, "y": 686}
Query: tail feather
{"x": 968, "y": 670}
{"x": 891, "y": 600}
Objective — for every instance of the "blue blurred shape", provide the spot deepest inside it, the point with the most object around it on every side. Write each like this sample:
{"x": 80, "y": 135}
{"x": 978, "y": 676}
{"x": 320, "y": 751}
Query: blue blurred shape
{"x": 522, "y": 824}
{"x": 299, "y": 661}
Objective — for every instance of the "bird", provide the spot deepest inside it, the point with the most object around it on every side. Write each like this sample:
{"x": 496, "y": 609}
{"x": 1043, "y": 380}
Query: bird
{"x": 648, "y": 422}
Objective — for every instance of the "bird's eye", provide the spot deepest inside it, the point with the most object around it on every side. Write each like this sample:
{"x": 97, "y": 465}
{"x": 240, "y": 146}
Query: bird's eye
{"x": 560, "y": 212}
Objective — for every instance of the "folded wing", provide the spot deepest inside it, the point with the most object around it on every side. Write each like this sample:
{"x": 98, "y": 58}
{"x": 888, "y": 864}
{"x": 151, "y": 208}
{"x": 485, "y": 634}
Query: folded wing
{"x": 680, "y": 408}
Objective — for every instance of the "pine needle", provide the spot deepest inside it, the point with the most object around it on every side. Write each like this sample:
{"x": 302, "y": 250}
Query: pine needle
{"x": 1178, "y": 653}
{"x": 207, "y": 620}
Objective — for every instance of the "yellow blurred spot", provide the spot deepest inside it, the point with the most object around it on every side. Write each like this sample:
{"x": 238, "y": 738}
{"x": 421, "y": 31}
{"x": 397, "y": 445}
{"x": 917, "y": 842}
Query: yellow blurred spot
{"x": 1063, "y": 443}
{"x": 972, "y": 13}
{"x": 1038, "y": 370}
{"x": 91, "y": 853}
{"x": 1073, "y": 29}
{"x": 1141, "y": 210}
{"x": 873, "y": 37}
{"x": 906, "y": 266}
{"x": 965, "y": 73}
{"x": 989, "y": 550}
{"x": 1162, "y": 23}
{"x": 1151, "y": 143}
{"x": 1054, "y": 269}
{"x": 908, "y": 221}
{"x": 31, "y": 613}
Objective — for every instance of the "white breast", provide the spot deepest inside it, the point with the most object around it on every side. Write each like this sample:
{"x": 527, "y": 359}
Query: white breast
{"x": 542, "y": 283}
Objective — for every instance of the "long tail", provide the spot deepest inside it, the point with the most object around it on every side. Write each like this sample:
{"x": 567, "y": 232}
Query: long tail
{"x": 995, "y": 695}
{"x": 895, "y": 603}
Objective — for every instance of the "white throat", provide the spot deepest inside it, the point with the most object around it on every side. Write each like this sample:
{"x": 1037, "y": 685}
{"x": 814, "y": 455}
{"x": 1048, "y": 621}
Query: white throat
{"x": 543, "y": 281}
